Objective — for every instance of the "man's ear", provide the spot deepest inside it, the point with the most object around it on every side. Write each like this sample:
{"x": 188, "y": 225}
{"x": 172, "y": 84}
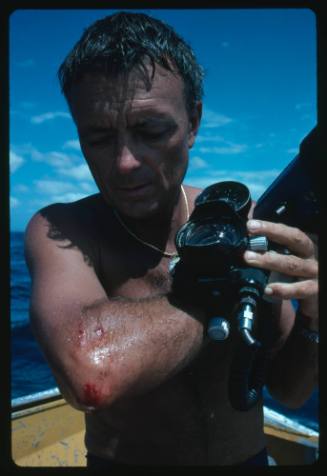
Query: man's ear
{"x": 194, "y": 123}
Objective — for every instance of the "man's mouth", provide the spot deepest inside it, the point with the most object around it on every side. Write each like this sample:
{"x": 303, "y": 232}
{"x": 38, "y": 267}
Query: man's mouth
{"x": 136, "y": 191}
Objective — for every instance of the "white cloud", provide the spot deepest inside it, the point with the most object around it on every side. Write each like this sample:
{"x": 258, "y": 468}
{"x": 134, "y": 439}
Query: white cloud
{"x": 65, "y": 164}
{"x": 52, "y": 187}
{"x": 37, "y": 203}
{"x": 256, "y": 180}
{"x": 14, "y": 202}
{"x": 58, "y": 191}
{"x": 16, "y": 161}
{"x": 68, "y": 197}
{"x": 48, "y": 116}
{"x": 57, "y": 159}
{"x": 197, "y": 163}
{"x": 210, "y": 138}
{"x": 88, "y": 187}
{"x": 223, "y": 146}
{"x": 212, "y": 119}
{"x": 79, "y": 172}
{"x": 229, "y": 149}
{"x": 21, "y": 188}
{"x": 72, "y": 144}
{"x": 54, "y": 158}
{"x": 269, "y": 174}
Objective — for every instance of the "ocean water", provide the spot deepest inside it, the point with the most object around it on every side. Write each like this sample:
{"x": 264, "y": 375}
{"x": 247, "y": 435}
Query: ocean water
{"x": 30, "y": 372}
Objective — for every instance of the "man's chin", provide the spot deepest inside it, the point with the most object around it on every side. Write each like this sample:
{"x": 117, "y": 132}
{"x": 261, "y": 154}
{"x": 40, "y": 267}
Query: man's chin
{"x": 143, "y": 209}
{"x": 138, "y": 213}
{"x": 137, "y": 210}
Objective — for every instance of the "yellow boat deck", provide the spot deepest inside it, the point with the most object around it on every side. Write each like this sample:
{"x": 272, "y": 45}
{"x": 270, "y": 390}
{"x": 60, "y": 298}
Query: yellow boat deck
{"x": 49, "y": 432}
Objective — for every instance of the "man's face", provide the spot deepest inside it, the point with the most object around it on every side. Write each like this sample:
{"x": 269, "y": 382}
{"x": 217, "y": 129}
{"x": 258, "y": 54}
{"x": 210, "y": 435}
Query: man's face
{"x": 135, "y": 141}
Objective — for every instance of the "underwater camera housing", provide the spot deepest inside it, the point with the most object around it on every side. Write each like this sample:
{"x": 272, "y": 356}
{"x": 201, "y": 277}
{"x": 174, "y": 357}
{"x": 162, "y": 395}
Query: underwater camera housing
{"x": 212, "y": 243}
{"x": 214, "y": 240}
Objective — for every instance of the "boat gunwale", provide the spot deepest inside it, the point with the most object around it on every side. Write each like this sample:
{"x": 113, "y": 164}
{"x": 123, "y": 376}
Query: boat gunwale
{"x": 37, "y": 398}
{"x": 39, "y": 401}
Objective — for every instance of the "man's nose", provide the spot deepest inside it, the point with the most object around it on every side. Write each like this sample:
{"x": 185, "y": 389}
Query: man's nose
{"x": 127, "y": 159}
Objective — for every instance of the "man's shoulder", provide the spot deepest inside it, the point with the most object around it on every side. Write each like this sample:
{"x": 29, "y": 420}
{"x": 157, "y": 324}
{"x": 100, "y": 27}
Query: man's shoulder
{"x": 74, "y": 212}
{"x": 192, "y": 193}
{"x": 192, "y": 189}
{"x": 68, "y": 226}
{"x": 64, "y": 220}
{"x": 78, "y": 206}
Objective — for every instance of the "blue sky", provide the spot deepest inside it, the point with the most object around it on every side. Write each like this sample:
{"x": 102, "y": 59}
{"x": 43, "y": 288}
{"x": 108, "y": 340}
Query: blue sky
{"x": 260, "y": 99}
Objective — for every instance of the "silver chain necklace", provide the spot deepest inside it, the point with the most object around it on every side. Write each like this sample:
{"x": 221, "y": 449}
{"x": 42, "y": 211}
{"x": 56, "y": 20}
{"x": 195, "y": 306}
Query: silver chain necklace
{"x": 150, "y": 245}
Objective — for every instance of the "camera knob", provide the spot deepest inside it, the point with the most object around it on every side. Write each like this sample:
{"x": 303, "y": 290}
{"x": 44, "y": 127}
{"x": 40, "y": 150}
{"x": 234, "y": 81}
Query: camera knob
{"x": 218, "y": 328}
{"x": 258, "y": 243}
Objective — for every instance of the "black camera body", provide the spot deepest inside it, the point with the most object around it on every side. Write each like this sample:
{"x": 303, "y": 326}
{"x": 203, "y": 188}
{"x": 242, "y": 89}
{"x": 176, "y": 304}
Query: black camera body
{"x": 294, "y": 197}
{"x": 212, "y": 243}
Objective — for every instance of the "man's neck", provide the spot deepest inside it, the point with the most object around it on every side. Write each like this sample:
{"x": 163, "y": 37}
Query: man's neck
{"x": 160, "y": 229}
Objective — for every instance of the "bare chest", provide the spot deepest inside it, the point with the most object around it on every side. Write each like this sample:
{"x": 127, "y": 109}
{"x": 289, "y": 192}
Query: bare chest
{"x": 187, "y": 420}
{"x": 129, "y": 269}
{"x": 190, "y": 416}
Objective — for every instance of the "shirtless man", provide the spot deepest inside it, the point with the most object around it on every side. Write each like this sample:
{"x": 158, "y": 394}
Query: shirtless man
{"x": 123, "y": 348}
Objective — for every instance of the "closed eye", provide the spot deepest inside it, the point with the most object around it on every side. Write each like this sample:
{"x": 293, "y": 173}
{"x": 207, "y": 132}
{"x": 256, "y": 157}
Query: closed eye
{"x": 148, "y": 134}
{"x": 99, "y": 140}
{"x": 154, "y": 133}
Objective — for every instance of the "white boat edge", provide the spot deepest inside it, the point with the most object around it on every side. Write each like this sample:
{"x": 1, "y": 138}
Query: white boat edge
{"x": 271, "y": 417}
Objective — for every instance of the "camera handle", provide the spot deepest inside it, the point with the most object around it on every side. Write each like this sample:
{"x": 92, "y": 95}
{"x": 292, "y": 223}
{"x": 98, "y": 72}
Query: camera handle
{"x": 251, "y": 290}
{"x": 247, "y": 371}
{"x": 247, "y": 375}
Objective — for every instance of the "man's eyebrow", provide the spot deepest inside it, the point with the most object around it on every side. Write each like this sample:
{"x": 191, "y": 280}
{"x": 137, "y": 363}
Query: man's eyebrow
{"x": 150, "y": 112}
{"x": 152, "y": 118}
{"x": 139, "y": 121}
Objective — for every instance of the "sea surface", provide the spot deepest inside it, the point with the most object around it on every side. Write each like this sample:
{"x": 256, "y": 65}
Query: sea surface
{"x": 29, "y": 370}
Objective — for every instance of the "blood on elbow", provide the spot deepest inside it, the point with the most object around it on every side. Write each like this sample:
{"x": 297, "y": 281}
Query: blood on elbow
{"x": 92, "y": 396}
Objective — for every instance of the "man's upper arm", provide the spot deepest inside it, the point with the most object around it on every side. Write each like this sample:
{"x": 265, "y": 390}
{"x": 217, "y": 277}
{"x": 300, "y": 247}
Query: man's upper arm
{"x": 60, "y": 274}
{"x": 63, "y": 282}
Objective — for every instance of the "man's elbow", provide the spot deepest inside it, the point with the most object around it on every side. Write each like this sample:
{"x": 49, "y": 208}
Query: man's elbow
{"x": 90, "y": 388}
{"x": 91, "y": 395}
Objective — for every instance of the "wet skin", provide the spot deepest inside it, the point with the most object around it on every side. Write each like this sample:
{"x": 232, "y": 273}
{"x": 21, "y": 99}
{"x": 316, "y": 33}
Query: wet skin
{"x": 188, "y": 418}
{"x": 154, "y": 390}
{"x": 136, "y": 143}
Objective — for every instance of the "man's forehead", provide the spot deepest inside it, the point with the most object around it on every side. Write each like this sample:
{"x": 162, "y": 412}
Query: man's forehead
{"x": 128, "y": 86}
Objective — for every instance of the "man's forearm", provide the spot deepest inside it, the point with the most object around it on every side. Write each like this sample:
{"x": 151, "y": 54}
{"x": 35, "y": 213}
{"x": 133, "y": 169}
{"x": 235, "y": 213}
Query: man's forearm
{"x": 294, "y": 371}
{"x": 123, "y": 347}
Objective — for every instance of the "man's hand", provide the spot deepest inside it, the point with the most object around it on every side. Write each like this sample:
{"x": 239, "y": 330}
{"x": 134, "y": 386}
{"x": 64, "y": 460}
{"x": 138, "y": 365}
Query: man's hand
{"x": 301, "y": 263}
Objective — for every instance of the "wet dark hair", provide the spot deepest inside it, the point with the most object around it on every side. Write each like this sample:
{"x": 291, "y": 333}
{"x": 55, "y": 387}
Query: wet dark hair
{"x": 118, "y": 43}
